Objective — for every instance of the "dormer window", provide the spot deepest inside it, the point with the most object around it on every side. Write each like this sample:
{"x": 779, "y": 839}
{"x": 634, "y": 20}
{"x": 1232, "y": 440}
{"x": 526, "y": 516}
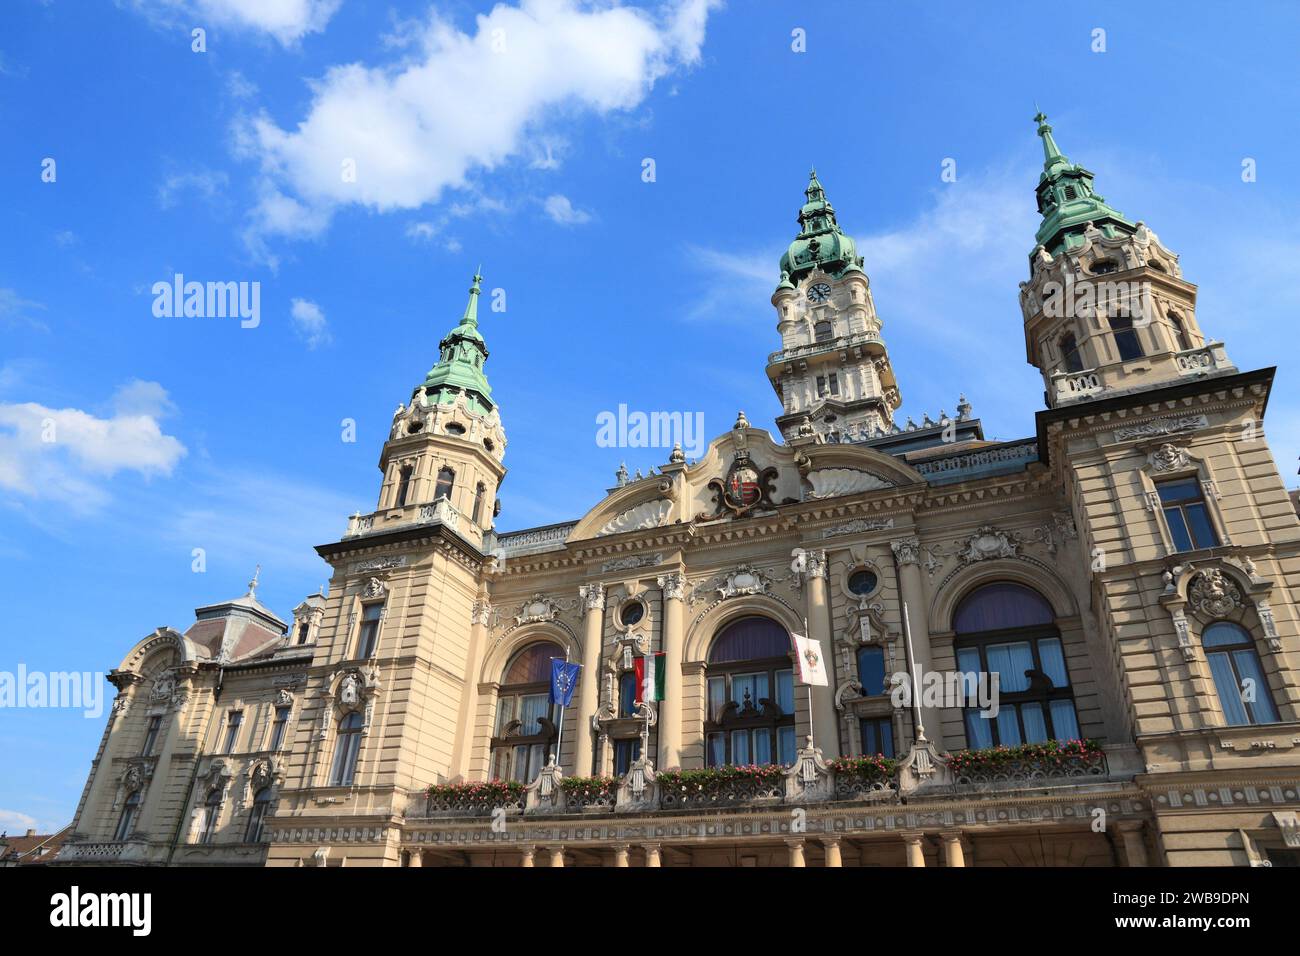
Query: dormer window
{"x": 1070, "y": 193}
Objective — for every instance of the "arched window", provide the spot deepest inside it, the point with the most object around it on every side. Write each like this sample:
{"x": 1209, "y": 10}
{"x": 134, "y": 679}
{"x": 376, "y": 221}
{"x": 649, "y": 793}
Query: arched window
{"x": 526, "y": 721}
{"x": 479, "y": 491}
{"x": 211, "y": 810}
{"x": 446, "y": 478}
{"x": 1070, "y": 351}
{"x": 403, "y": 485}
{"x": 126, "y": 823}
{"x": 823, "y": 331}
{"x": 257, "y": 818}
{"x": 1238, "y": 677}
{"x": 346, "y": 750}
{"x": 750, "y": 717}
{"x": 1182, "y": 341}
{"x": 1009, "y": 630}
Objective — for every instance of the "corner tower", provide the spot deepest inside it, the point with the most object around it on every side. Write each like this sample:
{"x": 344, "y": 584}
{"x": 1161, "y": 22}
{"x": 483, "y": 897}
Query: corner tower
{"x": 447, "y": 441}
{"x": 1107, "y": 310}
{"x": 832, "y": 372}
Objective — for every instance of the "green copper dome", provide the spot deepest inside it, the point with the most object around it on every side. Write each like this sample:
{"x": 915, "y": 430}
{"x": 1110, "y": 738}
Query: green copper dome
{"x": 460, "y": 362}
{"x": 1067, "y": 201}
{"x": 820, "y": 242}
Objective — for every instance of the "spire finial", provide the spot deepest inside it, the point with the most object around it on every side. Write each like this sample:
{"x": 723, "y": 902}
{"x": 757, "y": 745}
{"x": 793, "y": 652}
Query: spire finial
{"x": 471, "y": 308}
{"x": 1052, "y": 155}
{"x": 252, "y": 585}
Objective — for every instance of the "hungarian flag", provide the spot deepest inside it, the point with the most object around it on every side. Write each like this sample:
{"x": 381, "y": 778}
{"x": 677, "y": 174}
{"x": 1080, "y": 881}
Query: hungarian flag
{"x": 649, "y": 678}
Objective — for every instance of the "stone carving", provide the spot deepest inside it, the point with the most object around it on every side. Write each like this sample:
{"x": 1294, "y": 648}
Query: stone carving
{"x": 743, "y": 580}
{"x": 673, "y": 585}
{"x": 386, "y": 563}
{"x": 832, "y": 482}
{"x": 1184, "y": 634}
{"x": 284, "y": 699}
{"x": 375, "y": 588}
{"x": 261, "y": 775}
{"x": 649, "y": 514}
{"x": 628, "y": 564}
{"x": 1213, "y": 593}
{"x": 987, "y": 543}
{"x": 1289, "y": 823}
{"x": 1162, "y": 426}
{"x": 593, "y": 597}
{"x": 133, "y": 779}
{"x": 858, "y": 526}
{"x": 350, "y": 690}
{"x": 907, "y": 550}
{"x": 539, "y": 607}
{"x": 1270, "y": 625}
{"x": 481, "y": 613}
{"x": 1169, "y": 457}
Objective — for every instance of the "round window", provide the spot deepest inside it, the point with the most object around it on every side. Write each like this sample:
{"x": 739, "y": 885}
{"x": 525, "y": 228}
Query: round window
{"x": 862, "y": 581}
{"x": 631, "y": 613}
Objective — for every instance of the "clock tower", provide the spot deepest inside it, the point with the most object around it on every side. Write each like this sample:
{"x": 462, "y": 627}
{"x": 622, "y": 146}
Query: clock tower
{"x": 832, "y": 372}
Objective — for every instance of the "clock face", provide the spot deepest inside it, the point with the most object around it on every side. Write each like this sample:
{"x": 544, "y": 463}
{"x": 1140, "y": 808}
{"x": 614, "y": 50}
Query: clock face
{"x": 819, "y": 292}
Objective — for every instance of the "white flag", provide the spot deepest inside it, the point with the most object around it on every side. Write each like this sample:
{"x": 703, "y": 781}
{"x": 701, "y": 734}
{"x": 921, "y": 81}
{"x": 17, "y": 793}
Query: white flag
{"x": 812, "y": 666}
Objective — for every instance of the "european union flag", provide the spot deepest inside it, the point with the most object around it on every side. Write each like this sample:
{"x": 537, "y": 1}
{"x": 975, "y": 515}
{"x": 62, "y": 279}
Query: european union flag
{"x": 564, "y": 678}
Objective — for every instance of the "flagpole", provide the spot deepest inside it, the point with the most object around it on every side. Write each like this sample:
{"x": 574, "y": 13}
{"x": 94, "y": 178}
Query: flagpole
{"x": 911, "y": 665}
{"x": 812, "y": 742}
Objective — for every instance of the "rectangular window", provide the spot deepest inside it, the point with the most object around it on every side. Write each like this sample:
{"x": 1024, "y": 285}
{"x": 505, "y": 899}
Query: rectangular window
{"x": 785, "y": 745}
{"x": 625, "y": 751}
{"x": 1186, "y": 514}
{"x": 627, "y": 694}
{"x": 821, "y": 385}
{"x": 717, "y": 744}
{"x": 303, "y": 629}
{"x": 717, "y": 697}
{"x": 278, "y": 727}
{"x": 835, "y": 383}
{"x": 232, "y": 730}
{"x": 151, "y": 735}
{"x": 1126, "y": 337}
{"x": 877, "y": 736}
{"x": 370, "y": 615}
{"x": 403, "y": 486}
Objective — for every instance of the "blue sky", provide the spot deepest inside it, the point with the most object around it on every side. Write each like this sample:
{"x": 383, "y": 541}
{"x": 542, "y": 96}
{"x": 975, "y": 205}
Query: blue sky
{"x": 523, "y": 149}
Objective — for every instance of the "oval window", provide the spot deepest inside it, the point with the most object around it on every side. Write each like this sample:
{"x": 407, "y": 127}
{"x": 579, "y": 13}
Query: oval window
{"x": 862, "y": 581}
{"x": 631, "y": 613}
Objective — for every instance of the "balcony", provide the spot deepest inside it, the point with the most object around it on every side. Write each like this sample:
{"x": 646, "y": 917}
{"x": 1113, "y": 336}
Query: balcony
{"x": 437, "y": 512}
{"x": 1206, "y": 360}
{"x": 1068, "y": 387}
{"x": 809, "y": 780}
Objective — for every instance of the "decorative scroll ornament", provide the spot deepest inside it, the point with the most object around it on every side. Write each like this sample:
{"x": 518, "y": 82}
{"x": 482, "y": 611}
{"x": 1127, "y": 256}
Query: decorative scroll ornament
{"x": 539, "y": 607}
{"x": 987, "y": 543}
{"x": 481, "y": 613}
{"x": 1161, "y": 426}
{"x": 743, "y": 580}
{"x": 1213, "y": 593}
{"x": 833, "y": 482}
{"x": 1169, "y": 457}
{"x": 858, "y": 526}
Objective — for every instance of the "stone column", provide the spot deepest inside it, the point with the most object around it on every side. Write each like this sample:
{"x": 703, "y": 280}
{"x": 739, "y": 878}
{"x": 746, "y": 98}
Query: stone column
{"x": 652, "y": 849}
{"x": 670, "y": 712}
{"x": 796, "y": 852}
{"x": 832, "y": 849}
{"x": 620, "y": 854}
{"x": 953, "y": 854}
{"x": 593, "y": 622}
{"x": 915, "y": 856}
{"x": 415, "y": 857}
{"x": 825, "y": 719}
{"x": 1135, "y": 847}
{"x": 557, "y": 856}
{"x": 526, "y": 855}
{"x": 907, "y": 556}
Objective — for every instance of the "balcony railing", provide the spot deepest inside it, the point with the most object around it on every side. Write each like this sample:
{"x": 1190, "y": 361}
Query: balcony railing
{"x": 440, "y": 511}
{"x": 1210, "y": 357}
{"x": 808, "y": 780}
{"x": 1076, "y": 386}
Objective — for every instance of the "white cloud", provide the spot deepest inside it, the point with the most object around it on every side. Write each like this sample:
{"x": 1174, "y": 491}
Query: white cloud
{"x": 15, "y": 310}
{"x": 561, "y": 210}
{"x": 207, "y": 184}
{"x": 15, "y": 823}
{"x": 286, "y": 20}
{"x": 309, "y": 322}
{"x": 66, "y": 453}
{"x": 465, "y": 102}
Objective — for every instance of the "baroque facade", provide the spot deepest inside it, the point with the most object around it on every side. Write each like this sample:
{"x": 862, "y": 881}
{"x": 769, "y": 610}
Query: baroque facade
{"x": 1127, "y": 575}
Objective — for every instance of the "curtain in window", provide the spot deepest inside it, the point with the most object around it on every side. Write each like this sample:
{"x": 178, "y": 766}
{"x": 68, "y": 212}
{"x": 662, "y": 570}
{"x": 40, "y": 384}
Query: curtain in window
{"x": 717, "y": 697}
{"x": 1249, "y": 668}
{"x": 871, "y": 670}
{"x": 1225, "y": 682}
{"x": 753, "y": 684}
{"x": 979, "y": 730}
{"x": 998, "y": 606}
{"x": 1053, "y": 658}
{"x": 1009, "y": 662}
{"x": 749, "y": 639}
{"x": 1008, "y": 726}
{"x": 717, "y": 750}
{"x": 785, "y": 691}
{"x": 1064, "y": 720}
{"x": 532, "y": 665}
{"x": 1035, "y": 725}
{"x": 530, "y": 708}
{"x": 762, "y": 747}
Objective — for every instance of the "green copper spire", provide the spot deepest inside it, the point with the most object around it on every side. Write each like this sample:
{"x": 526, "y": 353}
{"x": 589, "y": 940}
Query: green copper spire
{"x": 460, "y": 361}
{"x": 1067, "y": 201}
{"x": 820, "y": 242}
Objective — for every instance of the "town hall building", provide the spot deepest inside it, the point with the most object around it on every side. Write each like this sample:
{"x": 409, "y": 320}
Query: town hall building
{"x": 1080, "y": 647}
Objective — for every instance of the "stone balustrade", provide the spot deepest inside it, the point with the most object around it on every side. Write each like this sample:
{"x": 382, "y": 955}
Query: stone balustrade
{"x": 1075, "y": 386}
